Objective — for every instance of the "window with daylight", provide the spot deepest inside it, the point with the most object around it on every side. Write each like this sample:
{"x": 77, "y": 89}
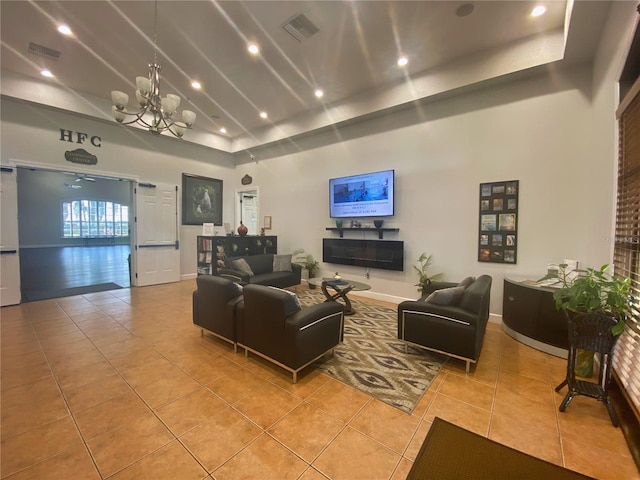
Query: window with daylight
{"x": 94, "y": 218}
{"x": 627, "y": 244}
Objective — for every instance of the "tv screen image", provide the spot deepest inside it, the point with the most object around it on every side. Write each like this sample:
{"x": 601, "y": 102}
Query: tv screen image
{"x": 364, "y": 195}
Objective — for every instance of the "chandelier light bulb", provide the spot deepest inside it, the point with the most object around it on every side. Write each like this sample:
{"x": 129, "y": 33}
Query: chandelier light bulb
{"x": 189, "y": 117}
{"x": 179, "y": 129}
{"x": 142, "y": 100}
{"x": 118, "y": 114}
{"x": 119, "y": 99}
{"x": 319, "y": 93}
{"x": 144, "y": 85}
{"x": 175, "y": 98}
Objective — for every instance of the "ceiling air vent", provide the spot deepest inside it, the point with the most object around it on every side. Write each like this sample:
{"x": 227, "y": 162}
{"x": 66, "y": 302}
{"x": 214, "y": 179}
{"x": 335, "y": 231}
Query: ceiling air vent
{"x": 42, "y": 51}
{"x": 300, "y": 27}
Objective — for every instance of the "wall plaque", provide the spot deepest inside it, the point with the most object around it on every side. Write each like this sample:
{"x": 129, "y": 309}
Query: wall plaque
{"x": 246, "y": 180}
{"x": 80, "y": 155}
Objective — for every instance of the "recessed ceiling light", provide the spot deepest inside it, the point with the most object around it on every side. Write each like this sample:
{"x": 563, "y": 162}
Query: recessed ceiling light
{"x": 195, "y": 84}
{"x": 263, "y": 114}
{"x": 46, "y": 73}
{"x": 64, "y": 29}
{"x": 538, "y": 10}
{"x": 223, "y": 130}
{"x": 402, "y": 61}
{"x": 465, "y": 10}
{"x": 319, "y": 93}
{"x": 253, "y": 49}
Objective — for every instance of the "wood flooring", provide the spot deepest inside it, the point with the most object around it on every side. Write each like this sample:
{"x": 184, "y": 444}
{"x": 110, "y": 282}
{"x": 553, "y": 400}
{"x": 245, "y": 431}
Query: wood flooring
{"x": 59, "y": 268}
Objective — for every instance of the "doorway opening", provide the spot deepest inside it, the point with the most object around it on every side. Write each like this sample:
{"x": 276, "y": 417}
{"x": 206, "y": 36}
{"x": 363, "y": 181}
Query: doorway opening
{"x": 247, "y": 209}
{"x": 74, "y": 233}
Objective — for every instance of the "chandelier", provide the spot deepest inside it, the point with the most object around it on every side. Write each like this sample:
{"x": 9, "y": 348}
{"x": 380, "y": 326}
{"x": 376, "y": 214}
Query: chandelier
{"x": 155, "y": 113}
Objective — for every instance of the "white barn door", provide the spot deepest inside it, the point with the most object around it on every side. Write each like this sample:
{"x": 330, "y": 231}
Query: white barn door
{"x": 156, "y": 252}
{"x": 9, "y": 245}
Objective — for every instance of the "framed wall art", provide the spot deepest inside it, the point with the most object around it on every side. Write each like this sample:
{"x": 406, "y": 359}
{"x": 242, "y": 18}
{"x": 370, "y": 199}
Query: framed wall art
{"x": 498, "y": 222}
{"x": 201, "y": 200}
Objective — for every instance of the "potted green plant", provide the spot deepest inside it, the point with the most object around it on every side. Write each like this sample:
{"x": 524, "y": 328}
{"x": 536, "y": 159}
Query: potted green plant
{"x": 593, "y": 291}
{"x": 424, "y": 278}
{"x": 306, "y": 261}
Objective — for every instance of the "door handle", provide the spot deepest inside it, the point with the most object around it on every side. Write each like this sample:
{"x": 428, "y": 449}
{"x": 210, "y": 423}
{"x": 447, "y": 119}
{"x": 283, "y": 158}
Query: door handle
{"x": 8, "y": 252}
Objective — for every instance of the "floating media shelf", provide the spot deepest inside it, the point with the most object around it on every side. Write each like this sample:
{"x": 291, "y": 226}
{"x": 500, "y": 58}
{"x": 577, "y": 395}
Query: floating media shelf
{"x": 363, "y": 229}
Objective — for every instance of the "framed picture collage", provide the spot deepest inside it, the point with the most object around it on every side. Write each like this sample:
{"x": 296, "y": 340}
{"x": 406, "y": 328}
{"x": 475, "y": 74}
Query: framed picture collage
{"x": 498, "y": 222}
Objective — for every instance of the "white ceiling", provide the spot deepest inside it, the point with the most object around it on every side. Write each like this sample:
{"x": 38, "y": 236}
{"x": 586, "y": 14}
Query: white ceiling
{"x": 354, "y": 52}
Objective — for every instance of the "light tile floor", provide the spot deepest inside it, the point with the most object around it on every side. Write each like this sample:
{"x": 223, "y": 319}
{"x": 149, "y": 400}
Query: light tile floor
{"x": 121, "y": 385}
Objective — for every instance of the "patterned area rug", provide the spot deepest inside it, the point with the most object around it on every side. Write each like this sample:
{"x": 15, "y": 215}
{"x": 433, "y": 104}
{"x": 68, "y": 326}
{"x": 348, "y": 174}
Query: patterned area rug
{"x": 373, "y": 360}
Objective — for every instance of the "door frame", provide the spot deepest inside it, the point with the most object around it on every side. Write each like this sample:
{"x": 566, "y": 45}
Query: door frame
{"x": 75, "y": 168}
{"x": 237, "y": 206}
{"x": 11, "y": 292}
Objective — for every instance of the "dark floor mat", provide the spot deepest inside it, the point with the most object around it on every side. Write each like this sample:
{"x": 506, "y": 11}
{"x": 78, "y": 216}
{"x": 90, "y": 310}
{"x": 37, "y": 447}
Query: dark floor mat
{"x": 452, "y": 453}
{"x": 35, "y": 295}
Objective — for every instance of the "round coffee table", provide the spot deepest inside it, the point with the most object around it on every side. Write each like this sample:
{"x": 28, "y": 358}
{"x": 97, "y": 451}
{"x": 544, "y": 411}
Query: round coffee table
{"x": 339, "y": 288}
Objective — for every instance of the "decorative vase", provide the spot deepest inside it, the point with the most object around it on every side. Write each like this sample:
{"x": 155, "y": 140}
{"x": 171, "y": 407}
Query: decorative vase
{"x": 242, "y": 229}
{"x": 339, "y": 223}
{"x": 378, "y": 223}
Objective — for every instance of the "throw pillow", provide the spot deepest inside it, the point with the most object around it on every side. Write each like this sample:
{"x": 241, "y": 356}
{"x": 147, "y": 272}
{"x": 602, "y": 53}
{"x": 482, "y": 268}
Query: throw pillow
{"x": 292, "y": 303}
{"x": 466, "y": 282}
{"x": 446, "y": 296}
{"x": 242, "y": 265}
{"x": 282, "y": 263}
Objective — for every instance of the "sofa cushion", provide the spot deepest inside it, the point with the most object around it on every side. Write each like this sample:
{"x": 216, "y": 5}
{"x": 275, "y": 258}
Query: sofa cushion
{"x": 282, "y": 263}
{"x": 260, "y": 263}
{"x": 446, "y": 296}
{"x": 466, "y": 282}
{"x": 291, "y": 302}
{"x": 242, "y": 265}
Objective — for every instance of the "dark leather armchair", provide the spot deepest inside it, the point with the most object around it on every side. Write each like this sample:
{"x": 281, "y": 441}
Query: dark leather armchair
{"x": 216, "y": 305}
{"x": 275, "y": 327}
{"x": 455, "y": 329}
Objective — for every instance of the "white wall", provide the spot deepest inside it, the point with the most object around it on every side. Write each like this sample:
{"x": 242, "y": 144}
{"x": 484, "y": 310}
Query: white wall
{"x": 540, "y": 131}
{"x": 554, "y": 132}
{"x": 30, "y": 135}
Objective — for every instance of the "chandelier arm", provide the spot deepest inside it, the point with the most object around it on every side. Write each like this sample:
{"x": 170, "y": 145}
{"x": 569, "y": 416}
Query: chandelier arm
{"x": 137, "y": 117}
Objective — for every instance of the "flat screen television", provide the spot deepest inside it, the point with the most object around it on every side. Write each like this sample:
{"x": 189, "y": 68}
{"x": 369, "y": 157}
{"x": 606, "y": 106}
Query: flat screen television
{"x": 364, "y": 195}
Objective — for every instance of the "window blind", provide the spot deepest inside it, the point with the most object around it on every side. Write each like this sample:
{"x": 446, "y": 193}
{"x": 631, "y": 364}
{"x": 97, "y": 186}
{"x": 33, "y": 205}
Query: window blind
{"x": 626, "y": 359}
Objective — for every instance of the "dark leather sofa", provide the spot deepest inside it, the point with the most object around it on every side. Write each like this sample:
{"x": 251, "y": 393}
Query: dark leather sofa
{"x": 275, "y": 327}
{"x": 455, "y": 329}
{"x": 217, "y": 302}
{"x": 262, "y": 272}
